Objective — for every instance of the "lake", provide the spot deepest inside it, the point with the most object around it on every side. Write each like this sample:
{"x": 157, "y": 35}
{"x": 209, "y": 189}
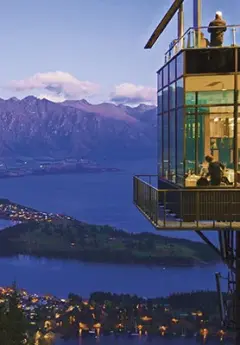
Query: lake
{"x": 102, "y": 198}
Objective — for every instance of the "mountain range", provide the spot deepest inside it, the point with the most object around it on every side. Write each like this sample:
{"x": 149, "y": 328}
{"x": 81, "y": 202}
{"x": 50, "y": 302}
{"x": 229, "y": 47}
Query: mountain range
{"x": 34, "y": 127}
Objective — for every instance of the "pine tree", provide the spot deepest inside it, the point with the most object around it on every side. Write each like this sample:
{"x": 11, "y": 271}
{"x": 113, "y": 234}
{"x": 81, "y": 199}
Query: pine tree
{"x": 13, "y": 324}
{"x": 3, "y": 325}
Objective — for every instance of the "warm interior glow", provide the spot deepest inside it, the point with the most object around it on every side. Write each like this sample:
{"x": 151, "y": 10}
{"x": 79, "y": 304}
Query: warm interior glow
{"x": 146, "y": 318}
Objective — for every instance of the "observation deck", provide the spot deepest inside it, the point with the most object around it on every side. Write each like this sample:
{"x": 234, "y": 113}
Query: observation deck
{"x": 186, "y": 208}
{"x": 199, "y": 38}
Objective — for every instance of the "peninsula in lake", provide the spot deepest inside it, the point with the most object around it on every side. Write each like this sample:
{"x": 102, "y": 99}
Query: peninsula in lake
{"x": 71, "y": 239}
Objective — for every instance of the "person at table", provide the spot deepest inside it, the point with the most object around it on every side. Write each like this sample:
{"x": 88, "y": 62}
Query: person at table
{"x": 215, "y": 171}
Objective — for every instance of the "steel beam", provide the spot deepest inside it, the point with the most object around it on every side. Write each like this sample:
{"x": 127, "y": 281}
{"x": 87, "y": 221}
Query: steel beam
{"x": 197, "y": 14}
{"x": 197, "y": 20}
{"x": 180, "y": 26}
{"x": 163, "y": 24}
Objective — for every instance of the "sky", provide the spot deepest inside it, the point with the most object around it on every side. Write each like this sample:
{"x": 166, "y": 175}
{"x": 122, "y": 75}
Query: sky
{"x": 91, "y": 49}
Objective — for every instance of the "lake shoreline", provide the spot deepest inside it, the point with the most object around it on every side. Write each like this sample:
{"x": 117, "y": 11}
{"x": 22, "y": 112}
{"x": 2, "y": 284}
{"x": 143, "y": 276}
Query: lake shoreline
{"x": 68, "y": 239}
{"x": 61, "y": 172}
{"x": 117, "y": 263}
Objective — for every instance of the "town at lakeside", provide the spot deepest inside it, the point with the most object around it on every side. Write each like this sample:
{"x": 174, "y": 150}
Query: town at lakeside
{"x": 47, "y": 317}
{"x": 39, "y": 167}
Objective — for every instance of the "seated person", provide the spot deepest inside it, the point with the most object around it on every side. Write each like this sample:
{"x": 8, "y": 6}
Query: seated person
{"x": 202, "y": 182}
{"x": 215, "y": 171}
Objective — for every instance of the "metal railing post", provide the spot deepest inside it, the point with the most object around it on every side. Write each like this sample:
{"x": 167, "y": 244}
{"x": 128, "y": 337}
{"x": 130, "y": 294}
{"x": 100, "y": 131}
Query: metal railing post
{"x": 197, "y": 208}
{"x": 234, "y": 36}
{"x": 181, "y": 208}
{"x": 164, "y": 207}
{"x": 156, "y": 205}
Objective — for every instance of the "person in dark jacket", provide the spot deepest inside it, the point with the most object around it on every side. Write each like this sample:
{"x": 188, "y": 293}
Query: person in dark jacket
{"x": 217, "y": 28}
{"x": 215, "y": 171}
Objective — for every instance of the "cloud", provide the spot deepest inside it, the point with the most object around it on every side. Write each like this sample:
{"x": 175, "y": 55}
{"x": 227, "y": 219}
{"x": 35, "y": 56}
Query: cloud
{"x": 133, "y": 94}
{"x": 58, "y": 84}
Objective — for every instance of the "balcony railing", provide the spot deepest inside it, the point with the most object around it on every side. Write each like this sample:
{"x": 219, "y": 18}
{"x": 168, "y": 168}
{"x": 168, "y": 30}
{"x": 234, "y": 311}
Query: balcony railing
{"x": 200, "y": 38}
{"x": 187, "y": 208}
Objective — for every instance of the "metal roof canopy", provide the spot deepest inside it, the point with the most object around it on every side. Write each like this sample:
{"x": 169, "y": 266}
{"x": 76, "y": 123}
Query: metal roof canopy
{"x": 176, "y": 6}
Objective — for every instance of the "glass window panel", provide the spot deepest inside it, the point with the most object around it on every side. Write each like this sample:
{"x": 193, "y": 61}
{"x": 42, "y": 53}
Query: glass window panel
{"x": 190, "y": 98}
{"x": 180, "y": 92}
{"x": 190, "y": 137}
{"x": 180, "y": 65}
{"x": 160, "y": 102}
{"x": 160, "y": 80}
{"x": 172, "y": 96}
{"x": 215, "y": 137}
{"x": 172, "y": 70}
{"x": 165, "y": 146}
{"x": 215, "y": 97}
{"x": 190, "y": 110}
{"x": 172, "y": 131}
{"x": 165, "y": 75}
{"x": 165, "y": 99}
{"x": 160, "y": 145}
{"x": 220, "y": 61}
{"x": 180, "y": 145}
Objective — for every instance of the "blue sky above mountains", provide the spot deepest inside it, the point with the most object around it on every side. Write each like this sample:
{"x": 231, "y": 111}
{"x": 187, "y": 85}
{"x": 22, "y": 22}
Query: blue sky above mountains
{"x": 90, "y": 49}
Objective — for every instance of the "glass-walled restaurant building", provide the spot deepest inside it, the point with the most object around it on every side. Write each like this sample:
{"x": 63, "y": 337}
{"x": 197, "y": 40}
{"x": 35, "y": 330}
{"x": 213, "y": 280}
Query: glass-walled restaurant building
{"x": 199, "y": 114}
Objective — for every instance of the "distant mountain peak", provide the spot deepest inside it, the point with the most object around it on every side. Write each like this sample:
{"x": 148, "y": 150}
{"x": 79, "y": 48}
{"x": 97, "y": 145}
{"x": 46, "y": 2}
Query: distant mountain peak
{"x": 36, "y": 127}
{"x": 14, "y": 99}
{"x": 84, "y": 101}
{"x": 30, "y": 98}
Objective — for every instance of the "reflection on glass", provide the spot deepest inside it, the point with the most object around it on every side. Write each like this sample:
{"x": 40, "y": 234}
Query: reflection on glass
{"x": 180, "y": 93}
{"x": 165, "y": 145}
{"x": 165, "y": 76}
{"x": 172, "y": 71}
{"x": 172, "y": 132}
{"x": 190, "y": 110}
{"x": 172, "y": 95}
{"x": 159, "y": 80}
{"x": 160, "y": 102}
{"x": 215, "y": 97}
{"x": 190, "y": 98}
{"x": 160, "y": 145}
{"x": 190, "y": 137}
{"x": 179, "y": 65}
{"x": 165, "y": 99}
{"x": 180, "y": 145}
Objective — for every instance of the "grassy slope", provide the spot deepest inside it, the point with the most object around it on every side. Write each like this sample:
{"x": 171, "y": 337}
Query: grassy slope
{"x": 102, "y": 244}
